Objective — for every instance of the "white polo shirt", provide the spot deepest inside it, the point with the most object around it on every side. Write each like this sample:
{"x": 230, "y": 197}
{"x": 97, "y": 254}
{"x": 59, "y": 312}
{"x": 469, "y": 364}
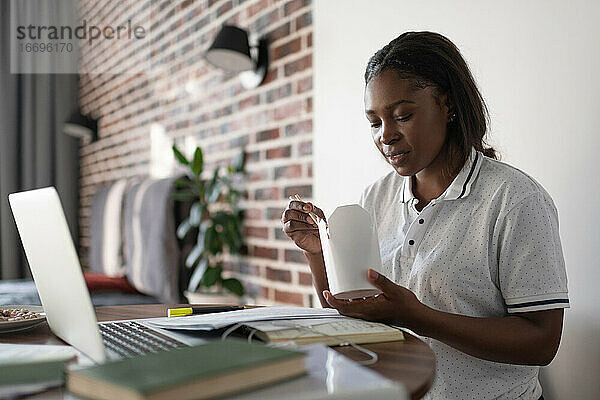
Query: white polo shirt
{"x": 487, "y": 247}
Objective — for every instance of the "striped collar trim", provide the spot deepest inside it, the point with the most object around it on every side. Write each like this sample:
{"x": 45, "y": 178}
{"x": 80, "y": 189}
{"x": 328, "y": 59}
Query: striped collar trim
{"x": 460, "y": 186}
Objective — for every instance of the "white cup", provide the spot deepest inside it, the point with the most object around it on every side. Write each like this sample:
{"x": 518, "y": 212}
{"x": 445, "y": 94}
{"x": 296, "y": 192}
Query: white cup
{"x": 350, "y": 247}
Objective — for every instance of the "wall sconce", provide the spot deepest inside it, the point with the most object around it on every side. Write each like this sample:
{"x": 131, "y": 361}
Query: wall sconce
{"x": 82, "y": 127}
{"x": 231, "y": 51}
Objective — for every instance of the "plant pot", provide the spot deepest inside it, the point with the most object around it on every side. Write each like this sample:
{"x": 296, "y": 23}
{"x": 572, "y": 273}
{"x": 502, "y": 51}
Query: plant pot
{"x": 212, "y": 298}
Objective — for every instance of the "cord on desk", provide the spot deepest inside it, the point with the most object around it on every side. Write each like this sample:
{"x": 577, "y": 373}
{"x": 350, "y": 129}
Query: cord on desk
{"x": 344, "y": 342}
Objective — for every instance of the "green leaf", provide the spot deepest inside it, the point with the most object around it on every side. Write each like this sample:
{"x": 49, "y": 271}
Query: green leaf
{"x": 214, "y": 187}
{"x": 212, "y": 276}
{"x": 198, "y": 162}
{"x": 182, "y": 183}
{"x": 183, "y": 196}
{"x": 194, "y": 255}
{"x": 197, "y": 275}
{"x": 234, "y": 286}
{"x": 184, "y": 228}
{"x": 239, "y": 161}
{"x": 195, "y": 214}
{"x": 179, "y": 156}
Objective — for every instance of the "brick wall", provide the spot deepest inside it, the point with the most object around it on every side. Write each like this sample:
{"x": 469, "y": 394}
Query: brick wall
{"x": 198, "y": 103}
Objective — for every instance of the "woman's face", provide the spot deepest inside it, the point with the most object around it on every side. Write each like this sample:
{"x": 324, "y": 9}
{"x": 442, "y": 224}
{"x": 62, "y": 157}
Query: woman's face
{"x": 408, "y": 125}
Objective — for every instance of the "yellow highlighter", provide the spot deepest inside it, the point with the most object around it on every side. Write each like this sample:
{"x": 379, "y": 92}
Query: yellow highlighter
{"x": 181, "y": 312}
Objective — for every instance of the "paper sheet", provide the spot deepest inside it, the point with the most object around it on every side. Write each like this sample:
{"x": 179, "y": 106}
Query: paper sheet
{"x": 12, "y": 353}
{"x": 207, "y": 322}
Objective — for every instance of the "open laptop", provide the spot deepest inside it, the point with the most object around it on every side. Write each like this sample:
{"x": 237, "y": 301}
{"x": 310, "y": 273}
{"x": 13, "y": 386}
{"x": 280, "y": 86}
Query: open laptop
{"x": 59, "y": 280}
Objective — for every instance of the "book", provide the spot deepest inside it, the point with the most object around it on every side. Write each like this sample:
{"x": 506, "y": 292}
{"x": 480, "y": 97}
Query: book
{"x": 20, "y": 378}
{"x": 332, "y": 332}
{"x": 210, "y": 370}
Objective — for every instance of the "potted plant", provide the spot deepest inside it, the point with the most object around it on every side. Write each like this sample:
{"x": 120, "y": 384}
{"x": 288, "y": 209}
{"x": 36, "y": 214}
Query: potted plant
{"x": 215, "y": 221}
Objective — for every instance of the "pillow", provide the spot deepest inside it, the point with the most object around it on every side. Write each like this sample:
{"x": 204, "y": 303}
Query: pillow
{"x": 151, "y": 250}
{"x": 106, "y": 237}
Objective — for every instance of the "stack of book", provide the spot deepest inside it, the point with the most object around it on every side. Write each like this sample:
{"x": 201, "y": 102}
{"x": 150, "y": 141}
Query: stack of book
{"x": 210, "y": 370}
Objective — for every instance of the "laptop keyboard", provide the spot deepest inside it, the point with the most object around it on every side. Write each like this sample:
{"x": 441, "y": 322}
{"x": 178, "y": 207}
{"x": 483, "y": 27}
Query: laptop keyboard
{"x": 130, "y": 338}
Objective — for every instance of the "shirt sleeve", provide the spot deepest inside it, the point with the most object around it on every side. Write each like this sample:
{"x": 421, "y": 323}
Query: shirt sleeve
{"x": 531, "y": 265}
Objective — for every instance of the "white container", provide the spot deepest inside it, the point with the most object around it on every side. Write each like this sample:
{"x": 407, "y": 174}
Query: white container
{"x": 350, "y": 247}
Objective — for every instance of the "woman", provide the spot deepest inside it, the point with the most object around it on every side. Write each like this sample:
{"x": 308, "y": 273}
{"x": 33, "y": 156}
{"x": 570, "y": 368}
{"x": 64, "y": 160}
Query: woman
{"x": 471, "y": 255}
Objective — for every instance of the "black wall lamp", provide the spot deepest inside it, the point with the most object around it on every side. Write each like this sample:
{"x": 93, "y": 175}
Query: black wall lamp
{"x": 232, "y": 52}
{"x": 81, "y": 126}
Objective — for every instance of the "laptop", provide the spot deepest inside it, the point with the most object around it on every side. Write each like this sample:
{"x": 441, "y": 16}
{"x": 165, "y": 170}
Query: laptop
{"x": 59, "y": 280}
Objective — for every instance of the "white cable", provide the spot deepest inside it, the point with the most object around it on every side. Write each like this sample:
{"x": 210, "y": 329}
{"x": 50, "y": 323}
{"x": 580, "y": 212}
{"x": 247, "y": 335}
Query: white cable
{"x": 344, "y": 342}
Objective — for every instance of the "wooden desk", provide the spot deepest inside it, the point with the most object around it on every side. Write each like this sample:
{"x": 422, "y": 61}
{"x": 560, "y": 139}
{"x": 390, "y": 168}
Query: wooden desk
{"x": 410, "y": 362}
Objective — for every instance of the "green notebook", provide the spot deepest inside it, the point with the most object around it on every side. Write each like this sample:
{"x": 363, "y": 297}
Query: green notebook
{"x": 200, "y": 372}
{"x": 51, "y": 372}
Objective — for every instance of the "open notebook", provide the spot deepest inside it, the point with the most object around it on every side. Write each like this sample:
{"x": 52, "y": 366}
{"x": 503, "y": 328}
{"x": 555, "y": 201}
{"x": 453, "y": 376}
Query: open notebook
{"x": 283, "y": 323}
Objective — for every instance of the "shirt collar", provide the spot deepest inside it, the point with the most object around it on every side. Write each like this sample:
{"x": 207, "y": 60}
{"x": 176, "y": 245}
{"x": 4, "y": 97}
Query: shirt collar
{"x": 460, "y": 186}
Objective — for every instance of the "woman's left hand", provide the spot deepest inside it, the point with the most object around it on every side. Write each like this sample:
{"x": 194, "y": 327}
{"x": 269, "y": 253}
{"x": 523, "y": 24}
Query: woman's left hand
{"x": 395, "y": 305}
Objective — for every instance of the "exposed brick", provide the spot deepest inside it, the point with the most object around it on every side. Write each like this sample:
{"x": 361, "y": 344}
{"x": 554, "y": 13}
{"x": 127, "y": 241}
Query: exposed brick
{"x": 278, "y": 275}
{"x": 289, "y": 110}
{"x": 220, "y": 116}
{"x": 279, "y": 32}
{"x": 256, "y": 8}
{"x": 242, "y": 268}
{"x": 296, "y": 256}
{"x": 310, "y": 171}
{"x": 258, "y": 232}
{"x": 304, "y": 279}
{"x": 279, "y": 152}
{"x": 304, "y": 191}
{"x": 253, "y": 290}
{"x": 264, "y": 21}
{"x": 280, "y": 235}
{"x": 287, "y": 48}
{"x": 279, "y": 93}
{"x": 305, "y": 84}
{"x": 261, "y": 175}
{"x": 299, "y": 128}
{"x": 304, "y": 20}
{"x": 294, "y": 5}
{"x": 186, "y": 3}
{"x": 252, "y": 156}
{"x": 268, "y": 293}
{"x": 298, "y": 65}
{"x": 271, "y": 76}
{"x": 274, "y": 213}
{"x": 305, "y": 148}
{"x": 249, "y": 102}
{"x": 252, "y": 213}
{"x": 224, "y": 8}
{"x": 267, "y": 135}
{"x": 264, "y": 252}
{"x": 289, "y": 297}
{"x": 239, "y": 141}
{"x": 267, "y": 194}
{"x": 288, "y": 171}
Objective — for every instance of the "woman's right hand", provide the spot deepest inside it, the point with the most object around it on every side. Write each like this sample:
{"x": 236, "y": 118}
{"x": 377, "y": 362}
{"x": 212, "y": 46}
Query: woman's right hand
{"x": 299, "y": 226}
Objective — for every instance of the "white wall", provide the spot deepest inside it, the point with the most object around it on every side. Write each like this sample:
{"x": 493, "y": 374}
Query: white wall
{"x": 537, "y": 64}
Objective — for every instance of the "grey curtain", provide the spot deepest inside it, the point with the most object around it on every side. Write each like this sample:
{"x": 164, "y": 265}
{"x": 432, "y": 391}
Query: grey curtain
{"x": 34, "y": 152}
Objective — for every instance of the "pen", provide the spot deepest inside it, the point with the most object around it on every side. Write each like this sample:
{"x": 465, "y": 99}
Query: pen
{"x": 180, "y": 312}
